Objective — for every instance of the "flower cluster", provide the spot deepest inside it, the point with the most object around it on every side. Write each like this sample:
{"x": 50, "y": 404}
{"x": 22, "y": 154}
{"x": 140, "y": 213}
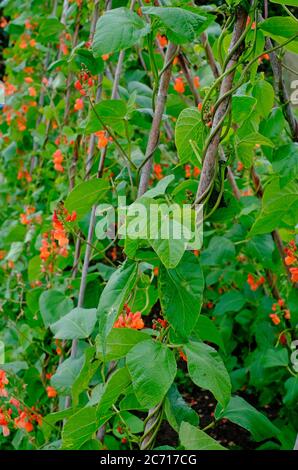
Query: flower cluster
{"x": 189, "y": 172}
{"x": 255, "y": 283}
{"x": 29, "y": 216}
{"x": 103, "y": 139}
{"x": 56, "y": 242}
{"x": 279, "y": 310}
{"x": 58, "y": 160}
{"x": 291, "y": 259}
{"x": 159, "y": 323}
{"x": 130, "y": 320}
{"x": 17, "y": 415}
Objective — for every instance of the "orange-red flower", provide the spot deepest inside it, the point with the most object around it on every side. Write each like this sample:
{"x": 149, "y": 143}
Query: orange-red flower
{"x": 255, "y": 283}
{"x": 58, "y": 159}
{"x": 179, "y": 85}
{"x": 51, "y": 392}
{"x": 196, "y": 82}
{"x": 22, "y": 422}
{"x": 32, "y": 92}
{"x": 130, "y": 320}
{"x": 102, "y": 139}
{"x": 162, "y": 40}
{"x": 79, "y": 104}
{"x": 275, "y": 318}
{"x": 3, "y": 382}
{"x": 158, "y": 171}
{"x": 294, "y": 274}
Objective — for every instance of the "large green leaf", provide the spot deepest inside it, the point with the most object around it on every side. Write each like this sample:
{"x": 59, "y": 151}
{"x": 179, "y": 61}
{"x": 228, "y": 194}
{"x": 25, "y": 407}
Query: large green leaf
{"x": 232, "y": 301}
{"x": 160, "y": 188}
{"x": 119, "y": 342}
{"x": 207, "y": 370}
{"x": 291, "y": 395}
{"x": 49, "y": 28}
{"x": 109, "y": 113}
{"x": 114, "y": 295}
{"x": 276, "y": 204}
{"x": 78, "y": 323}
{"x": 206, "y": 330}
{"x": 242, "y": 413}
{"x": 285, "y": 162}
{"x": 177, "y": 410}
{"x": 79, "y": 428}
{"x": 171, "y": 248}
{"x": 276, "y": 357}
{"x": 182, "y": 25}
{"x": 291, "y": 3}
{"x": 181, "y": 293}
{"x": 242, "y": 107}
{"x": 264, "y": 94}
{"x": 192, "y": 438}
{"x": 219, "y": 251}
{"x": 90, "y": 366}
{"x": 113, "y": 389}
{"x": 53, "y": 305}
{"x": 66, "y": 374}
{"x": 189, "y": 135}
{"x": 85, "y": 195}
{"x": 152, "y": 367}
{"x": 118, "y": 29}
{"x": 281, "y": 28}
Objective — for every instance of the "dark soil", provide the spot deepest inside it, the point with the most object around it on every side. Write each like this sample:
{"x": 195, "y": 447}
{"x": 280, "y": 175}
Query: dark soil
{"x": 226, "y": 433}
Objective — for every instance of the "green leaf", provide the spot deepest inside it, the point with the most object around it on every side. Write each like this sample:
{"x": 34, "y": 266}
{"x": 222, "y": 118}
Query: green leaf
{"x": 83, "y": 56}
{"x": 160, "y": 188}
{"x": 169, "y": 236}
{"x": 181, "y": 293}
{"x": 291, "y": 396}
{"x": 66, "y": 374}
{"x": 207, "y": 370}
{"x": 276, "y": 204}
{"x": 281, "y": 26}
{"x": 79, "y": 428}
{"x": 111, "y": 113}
{"x": 261, "y": 247}
{"x": 50, "y": 28}
{"x": 256, "y": 138}
{"x": 285, "y": 162}
{"x": 219, "y": 251}
{"x": 192, "y": 438}
{"x": 152, "y": 367}
{"x": 85, "y": 195}
{"x": 264, "y": 94}
{"x": 291, "y": 3}
{"x": 182, "y": 25}
{"x": 242, "y": 107}
{"x": 78, "y": 323}
{"x": 177, "y": 410}
{"x": 116, "y": 30}
{"x": 206, "y": 330}
{"x": 53, "y": 305}
{"x": 113, "y": 389}
{"x": 232, "y": 301}
{"x": 189, "y": 134}
{"x": 119, "y": 342}
{"x": 114, "y": 295}
{"x": 276, "y": 357}
{"x": 90, "y": 366}
{"x": 242, "y": 413}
